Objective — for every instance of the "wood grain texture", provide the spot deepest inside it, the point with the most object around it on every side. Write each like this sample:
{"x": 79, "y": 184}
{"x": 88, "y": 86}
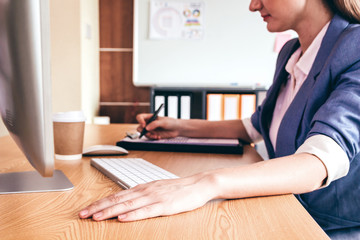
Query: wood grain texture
{"x": 116, "y": 23}
{"x": 123, "y": 114}
{"x": 116, "y": 84}
{"x": 54, "y": 215}
{"x": 116, "y": 79}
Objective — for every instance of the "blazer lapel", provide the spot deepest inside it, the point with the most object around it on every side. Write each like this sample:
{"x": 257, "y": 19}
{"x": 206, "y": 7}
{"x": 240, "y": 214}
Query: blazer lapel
{"x": 280, "y": 77}
{"x": 286, "y": 142}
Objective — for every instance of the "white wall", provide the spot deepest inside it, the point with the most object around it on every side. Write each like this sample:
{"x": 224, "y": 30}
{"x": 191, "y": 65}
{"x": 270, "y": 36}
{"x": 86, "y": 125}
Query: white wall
{"x": 89, "y": 18}
{"x": 65, "y": 54}
{"x": 75, "y": 56}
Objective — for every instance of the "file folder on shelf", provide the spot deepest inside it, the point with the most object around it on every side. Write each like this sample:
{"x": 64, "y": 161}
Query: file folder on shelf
{"x": 183, "y": 144}
{"x": 215, "y": 107}
{"x": 248, "y": 105}
{"x": 172, "y": 106}
{"x": 185, "y": 107}
{"x": 158, "y": 101}
{"x": 232, "y": 106}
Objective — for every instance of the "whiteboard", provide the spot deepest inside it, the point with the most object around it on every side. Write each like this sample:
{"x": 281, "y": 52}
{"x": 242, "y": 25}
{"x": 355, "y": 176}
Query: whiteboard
{"x": 236, "y": 49}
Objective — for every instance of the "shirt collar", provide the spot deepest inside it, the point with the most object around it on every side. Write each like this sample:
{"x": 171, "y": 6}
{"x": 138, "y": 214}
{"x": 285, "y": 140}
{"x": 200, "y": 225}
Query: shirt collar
{"x": 305, "y": 62}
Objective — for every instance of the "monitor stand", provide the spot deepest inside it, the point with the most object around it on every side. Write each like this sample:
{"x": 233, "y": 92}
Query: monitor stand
{"x": 26, "y": 182}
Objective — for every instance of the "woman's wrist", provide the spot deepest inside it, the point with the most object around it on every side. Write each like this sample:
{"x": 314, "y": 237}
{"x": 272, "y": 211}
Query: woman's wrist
{"x": 209, "y": 184}
{"x": 191, "y": 127}
{"x": 181, "y": 126}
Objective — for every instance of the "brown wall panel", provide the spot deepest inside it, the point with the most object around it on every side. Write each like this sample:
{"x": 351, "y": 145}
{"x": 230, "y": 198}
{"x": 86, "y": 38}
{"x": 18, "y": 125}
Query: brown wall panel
{"x": 116, "y": 23}
{"x": 116, "y": 79}
{"x": 123, "y": 114}
{"x": 116, "y": 31}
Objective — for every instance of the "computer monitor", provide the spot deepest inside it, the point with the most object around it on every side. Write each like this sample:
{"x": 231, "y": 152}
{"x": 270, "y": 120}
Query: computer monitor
{"x": 25, "y": 94}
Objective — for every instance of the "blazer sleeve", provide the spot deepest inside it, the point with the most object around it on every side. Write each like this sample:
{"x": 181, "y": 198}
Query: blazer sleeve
{"x": 339, "y": 116}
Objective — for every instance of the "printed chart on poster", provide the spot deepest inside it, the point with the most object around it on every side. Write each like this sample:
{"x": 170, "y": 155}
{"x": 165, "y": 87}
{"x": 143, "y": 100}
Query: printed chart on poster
{"x": 199, "y": 43}
{"x": 176, "y": 20}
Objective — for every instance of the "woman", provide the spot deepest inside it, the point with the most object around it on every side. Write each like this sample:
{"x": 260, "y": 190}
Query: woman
{"x": 309, "y": 121}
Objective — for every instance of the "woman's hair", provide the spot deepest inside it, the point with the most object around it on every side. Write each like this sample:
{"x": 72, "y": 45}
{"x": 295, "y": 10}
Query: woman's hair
{"x": 350, "y": 9}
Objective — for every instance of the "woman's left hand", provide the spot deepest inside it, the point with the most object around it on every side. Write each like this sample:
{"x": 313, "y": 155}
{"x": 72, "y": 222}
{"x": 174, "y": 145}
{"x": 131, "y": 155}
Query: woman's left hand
{"x": 158, "y": 198}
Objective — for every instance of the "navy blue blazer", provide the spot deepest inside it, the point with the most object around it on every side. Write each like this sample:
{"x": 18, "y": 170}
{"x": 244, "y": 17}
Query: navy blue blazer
{"x": 328, "y": 103}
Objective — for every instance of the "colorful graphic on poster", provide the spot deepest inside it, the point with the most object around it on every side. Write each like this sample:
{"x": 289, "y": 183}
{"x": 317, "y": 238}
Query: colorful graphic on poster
{"x": 176, "y": 20}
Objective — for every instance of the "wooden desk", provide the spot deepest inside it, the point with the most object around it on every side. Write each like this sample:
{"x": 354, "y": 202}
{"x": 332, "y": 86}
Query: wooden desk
{"x": 54, "y": 215}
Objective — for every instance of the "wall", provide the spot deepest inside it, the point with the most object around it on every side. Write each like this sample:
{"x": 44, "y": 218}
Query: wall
{"x": 90, "y": 81}
{"x": 75, "y": 60}
{"x": 65, "y": 51}
{"x": 119, "y": 98}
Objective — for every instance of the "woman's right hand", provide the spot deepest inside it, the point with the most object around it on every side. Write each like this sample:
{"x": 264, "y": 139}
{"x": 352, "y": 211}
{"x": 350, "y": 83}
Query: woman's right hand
{"x": 162, "y": 127}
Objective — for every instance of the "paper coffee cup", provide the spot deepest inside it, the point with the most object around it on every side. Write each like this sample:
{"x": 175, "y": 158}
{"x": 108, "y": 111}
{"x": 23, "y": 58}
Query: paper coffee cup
{"x": 69, "y": 135}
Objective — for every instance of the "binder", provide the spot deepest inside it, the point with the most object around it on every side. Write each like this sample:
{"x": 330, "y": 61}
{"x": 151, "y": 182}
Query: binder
{"x": 172, "y": 106}
{"x": 183, "y": 144}
{"x": 159, "y": 99}
{"x": 248, "y": 105}
{"x": 185, "y": 107}
{"x": 215, "y": 107}
{"x": 231, "y": 106}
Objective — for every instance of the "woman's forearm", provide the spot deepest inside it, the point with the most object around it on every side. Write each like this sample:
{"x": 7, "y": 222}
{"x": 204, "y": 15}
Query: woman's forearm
{"x": 213, "y": 129}
{"x": 298, "y": 173}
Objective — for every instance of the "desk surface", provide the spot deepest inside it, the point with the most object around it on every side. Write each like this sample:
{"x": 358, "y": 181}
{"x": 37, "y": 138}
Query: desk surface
{"x": 54, "y": 215}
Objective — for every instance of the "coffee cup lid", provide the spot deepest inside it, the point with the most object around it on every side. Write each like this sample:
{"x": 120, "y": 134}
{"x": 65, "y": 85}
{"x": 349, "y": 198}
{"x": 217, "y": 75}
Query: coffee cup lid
{"x": 71, "y": 116}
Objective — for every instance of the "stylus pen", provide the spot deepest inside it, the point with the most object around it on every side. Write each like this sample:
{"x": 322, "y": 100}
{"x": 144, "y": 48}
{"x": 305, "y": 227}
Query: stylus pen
{"x": 153, "y": 117}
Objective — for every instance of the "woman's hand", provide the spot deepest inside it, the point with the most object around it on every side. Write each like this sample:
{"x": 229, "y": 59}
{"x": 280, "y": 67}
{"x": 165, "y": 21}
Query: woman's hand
{"x": 162, "y": 127}
{"x": 159, "y": 198}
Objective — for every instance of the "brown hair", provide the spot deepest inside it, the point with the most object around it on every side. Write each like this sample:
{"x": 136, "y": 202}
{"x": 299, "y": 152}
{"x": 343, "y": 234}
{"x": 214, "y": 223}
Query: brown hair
{"x": 349, "y": 9}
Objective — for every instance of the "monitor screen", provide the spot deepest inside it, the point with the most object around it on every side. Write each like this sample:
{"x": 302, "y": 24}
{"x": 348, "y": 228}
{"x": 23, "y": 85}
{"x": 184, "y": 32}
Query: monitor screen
{"x": 25, "y": 81}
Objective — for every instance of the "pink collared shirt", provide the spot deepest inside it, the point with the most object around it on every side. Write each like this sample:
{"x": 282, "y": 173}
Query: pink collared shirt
{"x": 325, "y": 148}
{"x": 298, "y": 68}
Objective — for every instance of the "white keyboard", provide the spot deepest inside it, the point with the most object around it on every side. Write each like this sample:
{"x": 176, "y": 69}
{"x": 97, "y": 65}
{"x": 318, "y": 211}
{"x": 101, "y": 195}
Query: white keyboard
{"x": 129, "y": 172}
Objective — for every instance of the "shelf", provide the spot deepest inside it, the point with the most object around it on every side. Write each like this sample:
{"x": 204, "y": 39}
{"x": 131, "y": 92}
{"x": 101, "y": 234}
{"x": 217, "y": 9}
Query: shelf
{"x": 197, "y": 100}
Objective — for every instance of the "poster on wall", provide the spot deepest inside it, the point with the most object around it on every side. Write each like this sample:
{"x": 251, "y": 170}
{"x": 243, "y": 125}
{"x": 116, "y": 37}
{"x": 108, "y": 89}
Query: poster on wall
{"x": 176, "y": 20}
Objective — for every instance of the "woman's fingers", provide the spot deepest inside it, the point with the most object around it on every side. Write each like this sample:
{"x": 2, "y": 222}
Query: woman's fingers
{"x": 147, "y": 211}
{"x": 142, "y": 118}
{"x": 124, "y": 207}
{"x": 162, "y": 127}
{"x": 122, "y": 202}
{"x": 107, "y": 202}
